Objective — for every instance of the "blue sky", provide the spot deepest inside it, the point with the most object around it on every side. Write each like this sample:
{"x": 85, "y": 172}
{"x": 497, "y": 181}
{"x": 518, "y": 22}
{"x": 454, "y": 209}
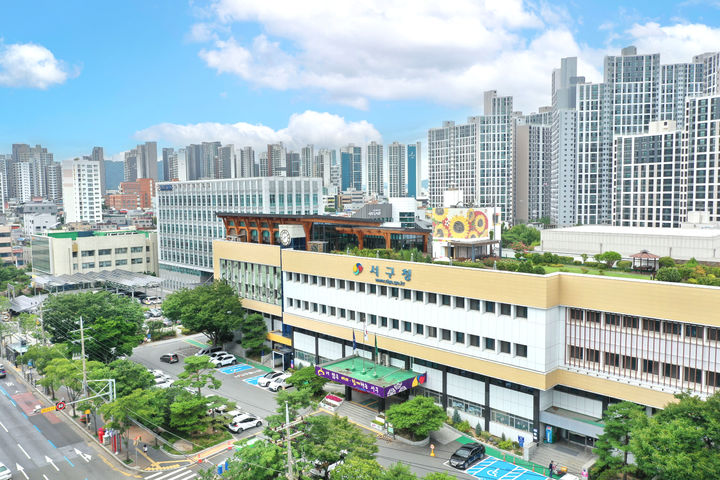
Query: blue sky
{"x": 77, "y": 74}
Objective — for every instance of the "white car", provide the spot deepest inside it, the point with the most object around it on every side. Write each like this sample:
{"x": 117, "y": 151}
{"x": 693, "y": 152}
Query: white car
{"x": 167, "y": 383}
{"x": 217, "y": 354}
{"x": 209, "y": 350}
{"x": 265, "y": 380}
{"x": 244, "y": 422}
{"x": 224, "y": 360}
{"x": 278, "y": 383}
{"x": 5, "y": 473}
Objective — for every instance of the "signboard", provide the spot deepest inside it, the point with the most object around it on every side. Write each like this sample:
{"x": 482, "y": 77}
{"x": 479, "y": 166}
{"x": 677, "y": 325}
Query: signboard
{"x": 48, "y": 409}
{"x": 462, "y": 223}
{"x": 60, "y": 405}
{"x": 369, "y": 387}
{"x": 387, "y": 275}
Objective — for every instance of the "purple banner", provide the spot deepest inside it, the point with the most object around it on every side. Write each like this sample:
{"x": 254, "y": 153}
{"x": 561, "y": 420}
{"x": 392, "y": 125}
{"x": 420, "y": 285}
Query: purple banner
{"x": 377, "y": 390}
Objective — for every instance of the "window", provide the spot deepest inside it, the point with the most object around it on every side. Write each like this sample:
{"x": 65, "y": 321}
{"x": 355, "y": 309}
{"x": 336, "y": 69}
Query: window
{"x": 383, "y": 322}
{"x": 88, "y": 253}
{"x": 323, "y": 309}
{"x": 333, "y": 311}
{"x": 407, "y": 327}
{"x": 361, "y": 287}
{"x": 314, "y": 279}
{"x": 671, "y": 371}
{"x": 120, "y": 262}
{"x": 649, "y": 366}
{"x": 694, "y": 331}
{"x": 460, "y": 337}
{"x": 120, "y": 250}
{"x": 394, "y": 292}
{"x": 342, "y": 313}
{"x": 136, "y": 261}
{"x": 331, "y": 282}
{"x": 489, "y": 343}
{"x": 474, "y": 304}
{"x": 106, "y": 263}
{"x": 459, "y": 302}
{"x": 576, "y": 314}
{"x": 672, "y": 328}
{"x": 88, "y": 265}
{"x": 314, "y": 307}
{"x": 341, "y": 284}
{"x": 576, "y": 352}
{"x": 407, "y": 294}
{"x": 383, "y": 290}
{"x": 445, "y": 299}
{"x": 592, "y": 355}
{"x": 431, "y": 298}
{"x": 445, "y": 334}
{"x": 418, "y": 296}
{"x": 323, "y": 281}
{"x": 489, "y": 307}
{"x": 612, "y": 359}
{"x": 373, "y": 289}
{"x": 630, "y": 363}
{"x": 595, "y": 317}
{"x": 630, "y": 322}
{"x": 361, "y": 317}
{"x": 612, "y": 319}
{"x": 136, "y": 249}
{"x": 651, "y": 325}
{"x": 105, "y": 251}
{"x": 505, "y": 309}
{"x": 352, "y": 315}
{"x": 419, "y": 328}
{"x": 395, "y": 323}
{"x": 432, "y": 332}
{"x": 504, "y": 346}
{"x": 521, "y": 350}
{"x": 521, "y": 312}
{"x": 474, "y": 340}
{"x": 351, "y": 286}
{"x": 373, "y": 319}
{"x": 712, "y": 379}
{"x": 713, "y": 334}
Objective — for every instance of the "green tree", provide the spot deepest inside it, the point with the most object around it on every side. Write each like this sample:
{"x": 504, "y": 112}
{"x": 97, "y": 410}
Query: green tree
{"x": 608, "y": 257}
{"x": 27, "y": 323}
{"x": 584, "y": 257}
{"x": 213, "y": 309}
{"x": 129, "y": 376}
{"x": 520, "y": 234}
{"x": 254, "y": 332}
{"x": 620, "y": 421}
{"x": 144, "y": 406}
{"x": 668, "y": 274}
{"x": 198, "y": 373}
{"x": 6, "y": 330}
{"x": 297, "y": 400}
{"x": 258, "y": 461}
{"x": 418, "y": 417}
{"x": 358, "y": 469}
{"x": 438, "y": 476}
{"x": 112, "y": 323}
{"x": 67, "y": 373}
{"x": 399, "y": 471}
{"x": 306, "y": 378}
{"x": 666, "y": 262}
{"x": 40, "y": 355}
{"x": 188, "y": 414}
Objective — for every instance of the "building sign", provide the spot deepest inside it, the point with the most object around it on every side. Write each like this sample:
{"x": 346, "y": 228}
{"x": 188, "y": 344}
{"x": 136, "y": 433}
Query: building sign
{"x": 388, "y": 275}
{"x": 165, "y": 188}
{"x": 368, "y": 387}
{"x": 462, "y": 223}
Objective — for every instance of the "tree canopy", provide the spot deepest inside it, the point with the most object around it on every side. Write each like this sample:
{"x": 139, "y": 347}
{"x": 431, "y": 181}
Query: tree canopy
{"x": 418, "y": 417}
{"x": 112, "y": 323}
{"x": 198, "y": 373}
{"x": 213, "y": 309}
{"x": 520, "y": 234}
{"x": 254, "y": 331}
{"x": 306, "y": 378}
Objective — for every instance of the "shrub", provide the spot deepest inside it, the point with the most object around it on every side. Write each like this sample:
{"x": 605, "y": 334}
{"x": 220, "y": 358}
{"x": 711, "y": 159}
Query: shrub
{"x": 624, "y": 265}
{"x": 478, "y": 430}
{"x": 669, "y": 274}
{"x": 577, "y": 262}
{"x": 566, "y": 260}
{"x": 505, "y": 445}
{"x": 584, "y": 270}
{"x": 666, "y": 262}
{"x": 456, "y": 417}
{"x": 463, "y": 426}
{"x": 539, "y": 270}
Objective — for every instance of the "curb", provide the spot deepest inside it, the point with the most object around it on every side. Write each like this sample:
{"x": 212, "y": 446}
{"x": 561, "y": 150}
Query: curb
{"x": 73, "y": 423}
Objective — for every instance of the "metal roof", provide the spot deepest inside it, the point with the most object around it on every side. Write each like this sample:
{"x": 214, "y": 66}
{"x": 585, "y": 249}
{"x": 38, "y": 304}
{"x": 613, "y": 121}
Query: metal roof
{"x": 121, "y": 278}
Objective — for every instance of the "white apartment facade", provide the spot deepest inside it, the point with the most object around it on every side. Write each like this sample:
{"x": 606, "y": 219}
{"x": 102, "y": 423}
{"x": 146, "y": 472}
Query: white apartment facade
{"x": 702, "y": 147}
{"x": 397, "y": 184}
{"x": 82, "y": 197}
{"x": 375, "y": 167}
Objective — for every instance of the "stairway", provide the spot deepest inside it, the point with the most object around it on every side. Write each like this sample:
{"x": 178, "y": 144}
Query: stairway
{"x": 574, "y": 457}
{"x": 358, "y": 414}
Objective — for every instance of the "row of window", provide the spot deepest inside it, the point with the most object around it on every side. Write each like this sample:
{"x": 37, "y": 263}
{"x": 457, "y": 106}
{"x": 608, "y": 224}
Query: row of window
{"x": 413, "y": 295}
{"x": 460, "y": 338}
{"x": 108, "y": 251}
{"x": 108, "y": 263}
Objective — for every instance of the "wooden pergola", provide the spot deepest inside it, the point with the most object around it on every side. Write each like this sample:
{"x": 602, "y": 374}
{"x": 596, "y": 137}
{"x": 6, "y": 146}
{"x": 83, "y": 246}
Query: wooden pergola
{"x": 645, "y": 261}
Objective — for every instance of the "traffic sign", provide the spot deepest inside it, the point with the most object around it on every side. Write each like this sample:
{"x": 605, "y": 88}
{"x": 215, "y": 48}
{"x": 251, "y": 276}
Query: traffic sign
{"x": 60, "y": 405}
{"x": 48, "y": 409}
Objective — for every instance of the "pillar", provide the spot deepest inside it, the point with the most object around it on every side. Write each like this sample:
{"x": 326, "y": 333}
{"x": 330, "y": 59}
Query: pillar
{"x": 348, "y": 393}
{"x": 361, "y": 240}
{"x": 536, "y": 415}
{"x": 486, "y": 410}
{"x": 444, "y": 387}
{"x": 317, "y": 348}
{"x": 381, "y": 404}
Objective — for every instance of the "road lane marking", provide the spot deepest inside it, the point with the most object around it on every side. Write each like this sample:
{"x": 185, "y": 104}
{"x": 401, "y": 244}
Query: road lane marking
{"x": 23, "y": 450}
{"x": 45, "y": 477}
{"x": 36, "y": 428}
{"x": 49, "y": 460}
{"x": 53, "y": 445}
{"x": 84, "y": 456}
{"x": 3, "y": 426}
{"x": 21, "y": 470}
{"x": 173, "y": 473}
{"x": 68, "y": 460}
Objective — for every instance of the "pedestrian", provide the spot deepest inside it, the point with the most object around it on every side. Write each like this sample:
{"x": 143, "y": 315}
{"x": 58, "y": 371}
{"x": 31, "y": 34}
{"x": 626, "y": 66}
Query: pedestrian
{"x": 551, "y": 467}
{"x": 144, "y": 447}
{"x": 585, "y": 474}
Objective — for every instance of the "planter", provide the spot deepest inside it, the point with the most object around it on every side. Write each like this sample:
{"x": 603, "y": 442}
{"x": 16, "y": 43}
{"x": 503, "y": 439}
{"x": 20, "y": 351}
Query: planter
{"x": 420, "y": 443}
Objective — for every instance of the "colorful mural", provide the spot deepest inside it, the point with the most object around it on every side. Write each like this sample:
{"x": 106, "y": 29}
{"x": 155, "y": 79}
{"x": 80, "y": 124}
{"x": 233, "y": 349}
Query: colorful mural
{"x": 461, "y": 223}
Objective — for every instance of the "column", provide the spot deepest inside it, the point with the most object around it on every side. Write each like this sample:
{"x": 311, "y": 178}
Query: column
{"x": 444, "y": 387}
{"x": 348, "y": 393}
{"x": 486, "y": 410}
{"x": 536, "y": 415}
{"x": 317, "y": 348}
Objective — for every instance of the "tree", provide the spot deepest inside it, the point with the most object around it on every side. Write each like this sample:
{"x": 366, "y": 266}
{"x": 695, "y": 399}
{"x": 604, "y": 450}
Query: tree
{"x": 188, "y": 414}
{"x": 520, "y": 234}
{"x": 584, "y": 257}
{"x": 144, "y": 406}
{"x": 254, "y": 331}
{"x": 67, "y": 373}
{"x": 296, "y": 400}
{"x": 197, "y": 373}
{"x": 669, "y": 274}
{"x": 40, "y": 356}
{"x": 358, "y": 469}
{"x": 306, "y": 378}
{"x": 418, "y": 417}
{"x": 258, "y": 461}
{"x": 438, "y": 476}
{"x": 213, "y": 309}
{"x": 666, "y": 262}
{"x": 608, "y": 257}
{"x": 27, "y": 323}
{"x": 129, "y": 376}
{"x": 112, "y": 323}
{"x": 620, "y": 420}
{"x": 399, "y": 471}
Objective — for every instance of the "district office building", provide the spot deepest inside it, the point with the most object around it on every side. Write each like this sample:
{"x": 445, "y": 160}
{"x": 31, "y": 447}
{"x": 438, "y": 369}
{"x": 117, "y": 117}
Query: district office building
{"x": 514, "y": 352}
{"x": 187, "y": 224}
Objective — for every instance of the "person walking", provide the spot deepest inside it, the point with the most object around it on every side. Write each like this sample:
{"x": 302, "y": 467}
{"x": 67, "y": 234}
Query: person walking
{"x": 144, "y": 447}
{"x": 552, "y": 468}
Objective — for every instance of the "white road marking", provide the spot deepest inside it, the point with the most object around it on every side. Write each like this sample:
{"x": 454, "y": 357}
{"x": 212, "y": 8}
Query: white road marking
{"x": 23, "y": 450}
{"x": 84, "y": 456}
{"x": 3, "y": 426}
{"x": 174, "y": 474}
{"x": 45, "y": 477}
{"x": 21, "y": 470}
{"x": 49, "y": 460}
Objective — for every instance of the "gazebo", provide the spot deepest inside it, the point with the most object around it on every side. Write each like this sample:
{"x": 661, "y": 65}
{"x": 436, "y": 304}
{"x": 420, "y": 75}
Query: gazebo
{"x": 645, "y": 261}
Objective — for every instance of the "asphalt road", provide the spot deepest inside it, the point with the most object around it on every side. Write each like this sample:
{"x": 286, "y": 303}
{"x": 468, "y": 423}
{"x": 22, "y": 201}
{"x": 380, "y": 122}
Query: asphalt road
{"x": 42, "y": 446}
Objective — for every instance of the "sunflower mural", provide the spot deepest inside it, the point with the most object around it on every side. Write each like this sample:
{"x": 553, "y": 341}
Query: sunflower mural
{"x": 460, "y": 223}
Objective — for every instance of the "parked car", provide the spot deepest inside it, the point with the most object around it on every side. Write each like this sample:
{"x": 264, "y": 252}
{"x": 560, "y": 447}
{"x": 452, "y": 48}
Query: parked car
{"x": 267, "y": 378}
{"x": 244, "y": 422}
{"x": 170, "y": 358}
{"x": 155, "y": 312}
{"x": 466, "y": 455}
{"x": 152, "y": 300}
{"x": 5, "y": 473}
{"x": 224, "y": 360}
{"x": 219, "y": 353}
{"x": 208, "y": 350}
{"x": 167, "y": 383}
{"x": 278, "y": 383}
{"x": 3, "y": 373}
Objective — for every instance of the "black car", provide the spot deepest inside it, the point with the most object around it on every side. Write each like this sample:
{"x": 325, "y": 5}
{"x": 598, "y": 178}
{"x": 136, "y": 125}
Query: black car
{"x": 466, "y": 455}
{"x": 170, "y": 358}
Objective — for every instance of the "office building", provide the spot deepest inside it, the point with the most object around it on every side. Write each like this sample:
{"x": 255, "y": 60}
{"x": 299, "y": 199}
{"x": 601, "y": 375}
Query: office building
{"x": 307, "y": 161}
{"x": 414, "y": 169}
{"x": 247, "y": 163}
{"x": 351, "y": 170}
{"x": 81, "y": 191}
{"x": 98, "y": 155}
{"x": 518, "y": 354}
{"x": 69, "y": 252}
{"x": 187, "y": 224}
{"x": 375, "y": 166}
{"x": 396, "y": 170}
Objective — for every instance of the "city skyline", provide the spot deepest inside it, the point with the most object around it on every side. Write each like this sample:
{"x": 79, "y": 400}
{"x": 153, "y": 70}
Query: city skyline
{"x": 60, "y": 77}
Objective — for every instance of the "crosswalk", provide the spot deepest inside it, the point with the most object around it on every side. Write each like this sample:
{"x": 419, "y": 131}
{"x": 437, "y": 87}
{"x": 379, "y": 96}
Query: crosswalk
{"x": 179, "y": 474}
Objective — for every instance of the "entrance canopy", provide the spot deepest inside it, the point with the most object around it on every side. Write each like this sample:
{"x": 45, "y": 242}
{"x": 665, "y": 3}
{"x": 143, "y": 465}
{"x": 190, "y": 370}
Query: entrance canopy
{"x": 362, "y": 374}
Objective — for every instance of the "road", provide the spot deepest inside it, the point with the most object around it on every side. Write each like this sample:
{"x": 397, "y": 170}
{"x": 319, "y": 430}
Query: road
{"x": 43, "y": 446}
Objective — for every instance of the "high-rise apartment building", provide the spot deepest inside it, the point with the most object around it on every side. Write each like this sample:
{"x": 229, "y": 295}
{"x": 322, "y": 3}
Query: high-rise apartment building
{"x": 293, "y": 163}
{"x": 533, "y": 166}
{"x": 130, "y": 168}
{"x": 711, "y": 71}
{"x": 170, "y": 164}
{"x": 414, "y": 164}
{"x": 375, "y": 167}
{"x": 182, "y": 165}
{"x": 351, "y": 168}
{"x": 38, "y": 160}
{"x": 54, "y": 181}
{"x": 702, "y": 148}
{"x": 22, "y": 178}
{"x": 209, "y": 159}
{"x": 276, "y": 160}
{"x": 323, "y": 165}
{"x": 81, "y": 191}
{"x": 307, "y": 161}
{"x": 187, "y": 224}
{"x": 98, "y": 155}
{"x": 247, "y": 163}
{"x": 452, "y": 161}
{"x": 263, "y": 165}
{"x": 226, "y": 162}
{"x": 396, "y": 170}
{"x": 147, "y": 160}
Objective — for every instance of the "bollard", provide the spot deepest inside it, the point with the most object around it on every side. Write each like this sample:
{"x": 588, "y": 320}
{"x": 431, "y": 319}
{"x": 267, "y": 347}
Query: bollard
{"x": 432, "y": 449}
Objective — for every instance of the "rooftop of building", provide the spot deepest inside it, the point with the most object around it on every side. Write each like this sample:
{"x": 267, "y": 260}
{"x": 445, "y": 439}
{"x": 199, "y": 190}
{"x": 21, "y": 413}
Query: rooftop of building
{"x": 653, "y": 231}
{"x": 75, "y": 234}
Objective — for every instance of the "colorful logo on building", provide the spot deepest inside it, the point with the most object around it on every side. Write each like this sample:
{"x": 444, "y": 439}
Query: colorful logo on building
{"x": 419, "y": 380}
{"x": 357, "y": 269}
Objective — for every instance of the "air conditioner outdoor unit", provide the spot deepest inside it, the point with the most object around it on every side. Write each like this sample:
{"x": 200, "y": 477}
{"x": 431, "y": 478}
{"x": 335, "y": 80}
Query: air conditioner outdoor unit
{"x": 384, "y": 359}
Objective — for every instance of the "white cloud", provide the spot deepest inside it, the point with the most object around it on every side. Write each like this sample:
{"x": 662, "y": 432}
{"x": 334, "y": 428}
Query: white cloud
{"x": 676, "y": 43}
{"x": 309, "y": 127}
{"x": 31, "y": 66}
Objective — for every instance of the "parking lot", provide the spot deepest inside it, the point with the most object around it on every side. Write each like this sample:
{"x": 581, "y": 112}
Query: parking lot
{"x": 491, "y": 468}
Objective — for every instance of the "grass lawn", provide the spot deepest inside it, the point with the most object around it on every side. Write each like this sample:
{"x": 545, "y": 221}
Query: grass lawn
{"x": 595, "y": 271}
{"x": 199, "y": 443}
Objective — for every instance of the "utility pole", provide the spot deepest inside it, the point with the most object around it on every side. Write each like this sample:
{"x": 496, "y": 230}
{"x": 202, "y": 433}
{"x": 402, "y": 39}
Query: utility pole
{"x": 82, "y": 352}
{"x": 290, "y": 475}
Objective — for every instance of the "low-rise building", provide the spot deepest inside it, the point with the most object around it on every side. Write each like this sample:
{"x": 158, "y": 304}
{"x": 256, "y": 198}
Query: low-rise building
{"x": 6, "y": 253}
{"x": 68, "y": 252}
